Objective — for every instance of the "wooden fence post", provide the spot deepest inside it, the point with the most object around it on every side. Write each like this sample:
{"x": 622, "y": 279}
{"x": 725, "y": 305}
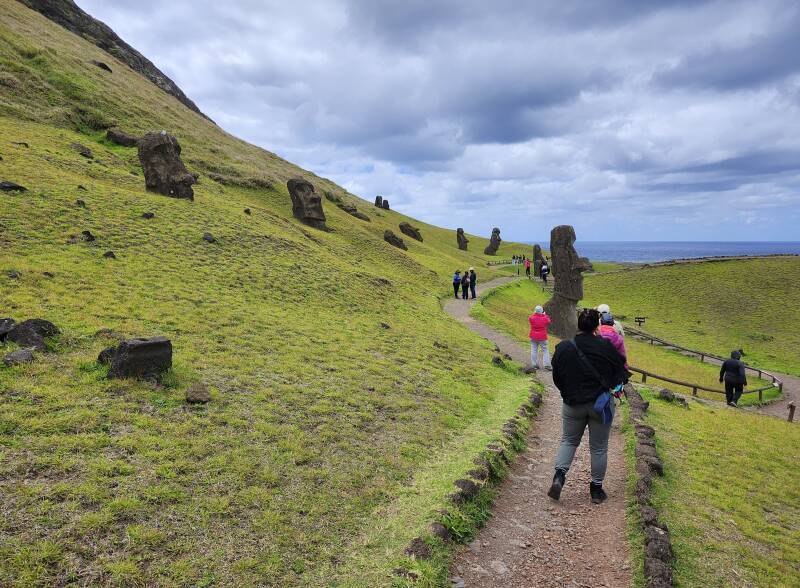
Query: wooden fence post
{"x": 644, "y": 378}
{"x": 791, "y": 411}
{"x": 760, "y": 395}
{"x": 702, "y": 357}
{"x": 694, "y": 390}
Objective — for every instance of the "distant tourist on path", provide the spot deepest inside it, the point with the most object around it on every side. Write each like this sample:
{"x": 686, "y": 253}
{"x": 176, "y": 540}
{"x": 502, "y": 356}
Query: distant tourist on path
{"x": 465, "y": 285}
{"x": 607, "y": 331}
{"x": 733, "y": 374}
{"x": 456, "y": 282}
{"x": 544, "y": 271}
{"x": 617, "y": 325}
{"x": 538, "y": 335}
{"x": 528, "y": 268}
{"x": 473, "y": 281}
{"x": 585, "y": 369}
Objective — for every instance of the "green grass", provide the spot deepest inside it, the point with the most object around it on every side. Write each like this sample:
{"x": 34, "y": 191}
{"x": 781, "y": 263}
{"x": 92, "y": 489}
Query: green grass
{"x": 729, "y": 496}
{"x": 324, "y": 448}
{"x": 716, "y": 307}
{"x": 607, "y": 266}
{"x": 508, "y": 307}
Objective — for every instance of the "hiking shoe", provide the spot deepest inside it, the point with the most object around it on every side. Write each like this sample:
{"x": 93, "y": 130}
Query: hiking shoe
{"x": 558, "y": 483}
{"x": 548, "y": 368}
{"x": 598, "y": 494}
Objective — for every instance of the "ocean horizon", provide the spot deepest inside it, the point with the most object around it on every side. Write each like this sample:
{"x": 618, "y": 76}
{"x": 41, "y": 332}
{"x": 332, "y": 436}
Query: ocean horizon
{"x": 654, "y": 251}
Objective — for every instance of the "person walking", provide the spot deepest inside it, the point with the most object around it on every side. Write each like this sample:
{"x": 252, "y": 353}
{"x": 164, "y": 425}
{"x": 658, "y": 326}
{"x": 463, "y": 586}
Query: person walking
{"x": 617, "y": 325}
{"x": 473, "y": 281}
{"x": 538, "y": 335}
{"x": 734, "y": 375}
{"x": 607, "y": 331}
{"x": 528, "y": 268}
{"x": 465, "y": 286}
{"x": 585, "y": 370}
{"x": 544, "y": 271}
{"x": 456, "y": 282}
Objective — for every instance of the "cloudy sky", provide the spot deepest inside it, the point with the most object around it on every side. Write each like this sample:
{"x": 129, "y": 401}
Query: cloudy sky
{"x": 629, "y": 119}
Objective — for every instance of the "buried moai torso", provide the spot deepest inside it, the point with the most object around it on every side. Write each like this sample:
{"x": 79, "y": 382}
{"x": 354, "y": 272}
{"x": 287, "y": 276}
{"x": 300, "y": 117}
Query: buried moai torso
{"x": 538, "y": 259}
{"x": 494, "y": 242}
{"x": 306, "y": 203}
{"x": 164, "y": 172}
{"x": 462, "y": 240}
{"x": 567, "y": 268}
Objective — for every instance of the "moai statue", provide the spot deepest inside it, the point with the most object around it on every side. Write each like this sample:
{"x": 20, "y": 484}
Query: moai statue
{"x": 306, "y": 203}
{"x": 567, "y": 268}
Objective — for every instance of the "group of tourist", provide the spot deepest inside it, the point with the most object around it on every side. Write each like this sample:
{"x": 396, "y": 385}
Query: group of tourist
{"x": 589, "y": 371}
{"x": 466, "y": 283}
{"x": 521, "y": 261}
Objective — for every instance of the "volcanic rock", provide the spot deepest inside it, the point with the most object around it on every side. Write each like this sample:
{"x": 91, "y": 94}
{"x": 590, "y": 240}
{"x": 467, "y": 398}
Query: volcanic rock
{"x": 247, "y": 211}
{"x": 101, "y": 65}
{"x": 87, "y": 236}
{"x": 209, "y": 238}
{"x": 568, "y": 290}
{"x": 306, "y": 203}
{"x": 198, "y": 393}
{"x": 164, "y": 172}
{"x": 411, "y": 231}
{"x": 106, "y": 354}
{"x": 385, "y": 204}
{"x": 494, "y": 243}
{"x": 12, "y": 187}
{"x": 461, "y": 238}
{"x": 538, "y": 259}
{"x": 13, "y": 274}
{"x": 80, "y": 203}
{"x": 148, "y": 215}
{"x": 144, "y": 359}
{"x": 666, "y": 394}
{"x": 393, "y": 239}
{"x": 379, "y": 201}
{"x": 82, "y": 150}
{"x": 109, "y": 255}
{"x": 353, "y": 211}
{"x": 18, "y": 357}
{"x": 120, "y": 137}
{"x": 32, "y": 333}
{"x": 6, "y": 324}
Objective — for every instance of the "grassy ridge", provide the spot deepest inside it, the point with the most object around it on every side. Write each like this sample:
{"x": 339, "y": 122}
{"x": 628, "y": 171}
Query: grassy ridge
{"x": 715, "y": 307}
{"x": 321, "y": 417}
{"x": 507, "y": 308}
{"x": 729, "y": 495}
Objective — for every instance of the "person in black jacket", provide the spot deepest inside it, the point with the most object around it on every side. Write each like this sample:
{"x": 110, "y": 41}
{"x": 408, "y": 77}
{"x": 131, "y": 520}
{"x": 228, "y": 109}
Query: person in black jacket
{"x": 733, "y": 373}
{"x": 473, "y": 281}
{"x": 580, "y": 386}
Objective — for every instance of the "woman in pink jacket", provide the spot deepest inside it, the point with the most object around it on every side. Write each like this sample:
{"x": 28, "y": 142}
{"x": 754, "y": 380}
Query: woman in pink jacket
{"x": 607, "y": 331}
{"x": 539, "y": 322}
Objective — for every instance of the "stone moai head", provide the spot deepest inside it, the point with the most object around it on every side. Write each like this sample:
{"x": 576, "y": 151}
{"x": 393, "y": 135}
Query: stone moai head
{"x": 306, "y": 203}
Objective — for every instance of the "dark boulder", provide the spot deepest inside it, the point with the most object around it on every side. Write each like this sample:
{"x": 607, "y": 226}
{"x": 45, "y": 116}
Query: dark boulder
{"x": 164, "y": 172}
{"x": 32, "y": 333}
{"x": 209, "y": 238}
{"x": 101, "y": 65}
{"x": 379, "y": 201}
{"x": 119, "y": 137}
{"x": 6, "y": 324}
{"x": 393, "y": 239}
{"x": 18, "y": 357}
{"x": 461, "y": 239}
{"x": 12, "y": 187}
{"x": 440, "y": 531}
{"x": 418, "y": 549}
{"x": 81, "y": 188}
{"x": 247, "y": 211}
{"x": 385, "y": 204}
{"x": 82, "y": 150}
{"x": 666, "y": 394}
{"x": 80, "y": 203}
{"x": 353, "y": 211}
{"x": 87, "y": 236}
{"x": 106, "y": 354}
{"x": 411, "y": 231}
{"x": 148, "y": 215}
{"x": 306, "y": 203}
{"x": 494, "y": 243}
{"x": 13, "y": 274}
{"x": 109, "y": 255}
{"x": 498, "y": 361}
{"x": 143, "y": 359}
{"x": 198, "y": 393}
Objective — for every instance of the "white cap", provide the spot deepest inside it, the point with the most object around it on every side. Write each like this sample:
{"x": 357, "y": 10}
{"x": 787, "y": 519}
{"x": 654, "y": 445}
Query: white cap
{"x": 603, "y": 308}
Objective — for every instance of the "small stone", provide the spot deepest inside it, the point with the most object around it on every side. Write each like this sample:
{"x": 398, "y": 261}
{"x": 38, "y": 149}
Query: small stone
{"x": 81, "y": 188}
{"x": 32, "y": 333}
{"x": 385, "y": 326}
{"x": 18, "y": 357}
{"x": 88, "y": 237}
{"x": 48, "y": 274}
{"x": 247, "y": 211}
{"x": 102, "y": 65}
{"x": 80, "y": 203}
{"x": 498, "y": 361}
{"x": 13, "y": 274}
{"x": 418, "y": 549}
{"x": 148, "y": 215}
{"x": 144, "y": 359}
{"x": 209, "y": 238}
{"x": 198, "y": 393}
{"x": 109, "y": 255}
{"x": 82, "y": 150}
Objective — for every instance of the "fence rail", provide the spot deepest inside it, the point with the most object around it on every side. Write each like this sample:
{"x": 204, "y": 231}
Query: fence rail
{"x": 776, "y": 383}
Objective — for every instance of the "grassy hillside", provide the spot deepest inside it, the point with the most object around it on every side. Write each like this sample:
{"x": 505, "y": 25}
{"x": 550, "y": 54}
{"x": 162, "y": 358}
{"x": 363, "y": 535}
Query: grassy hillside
{"x": 729, "y": 496}
{"x": 717, "y": 307}
{"x": 507, "y": 308}
{"x": 320, "y": 454}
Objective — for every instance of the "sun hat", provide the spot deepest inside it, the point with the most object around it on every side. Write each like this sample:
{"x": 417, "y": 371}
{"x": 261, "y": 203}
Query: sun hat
{"x": 538, "y": 309}
{"x": 603, "y": 308}
{"x": 472, "y": 269}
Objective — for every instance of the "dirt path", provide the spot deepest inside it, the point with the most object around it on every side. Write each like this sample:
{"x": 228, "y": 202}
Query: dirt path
{"x": 531, "y": 540}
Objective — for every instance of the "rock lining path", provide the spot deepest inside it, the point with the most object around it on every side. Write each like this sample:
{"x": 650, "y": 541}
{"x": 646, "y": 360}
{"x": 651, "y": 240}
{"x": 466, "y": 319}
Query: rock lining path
{"x": 531, "y": 540}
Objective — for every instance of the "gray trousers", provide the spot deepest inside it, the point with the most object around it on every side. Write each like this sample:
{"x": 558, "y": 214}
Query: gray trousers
{"x": 575, "y": 419}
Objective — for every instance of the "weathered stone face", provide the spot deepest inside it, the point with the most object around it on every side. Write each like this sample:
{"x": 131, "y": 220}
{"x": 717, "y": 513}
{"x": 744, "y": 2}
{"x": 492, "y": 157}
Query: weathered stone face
{"x": 462, "y": 240}
{"x": 411, "y": 231}
{"x": 538, "y": 259}
{"x": 144, "y": 359}
{"x": 306, "y": 203}
{"x": 385, "y": 204}
{"x": 379, "y": 201}
{"x": 164, "y": 172}
{"x": 494, "y": 243}
{"x": 567, "y": 268}
{"x": 393, "y": 239}
{"x": 120, "y": 137}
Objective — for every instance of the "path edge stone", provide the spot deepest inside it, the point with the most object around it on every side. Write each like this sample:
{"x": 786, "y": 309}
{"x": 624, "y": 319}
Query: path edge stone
{"x": 658, "y": 554}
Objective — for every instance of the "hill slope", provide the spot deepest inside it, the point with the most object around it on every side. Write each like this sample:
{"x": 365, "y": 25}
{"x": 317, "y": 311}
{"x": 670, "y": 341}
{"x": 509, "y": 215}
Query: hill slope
{"x": 328, "y": 392}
